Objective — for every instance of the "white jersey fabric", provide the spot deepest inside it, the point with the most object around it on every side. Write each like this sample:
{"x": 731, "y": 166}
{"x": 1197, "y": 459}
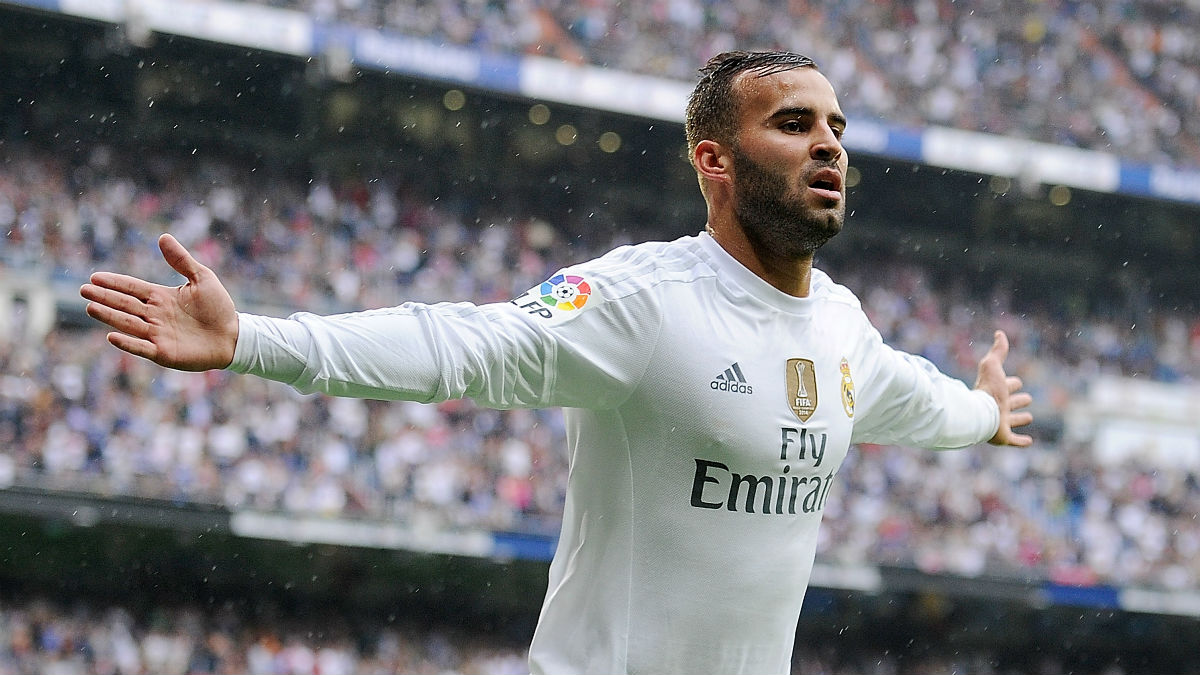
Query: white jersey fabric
{"x": 707, "y": 414}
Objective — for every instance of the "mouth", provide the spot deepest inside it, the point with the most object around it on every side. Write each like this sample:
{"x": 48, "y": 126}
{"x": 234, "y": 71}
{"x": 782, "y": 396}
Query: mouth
{"x": 826, "y": 183}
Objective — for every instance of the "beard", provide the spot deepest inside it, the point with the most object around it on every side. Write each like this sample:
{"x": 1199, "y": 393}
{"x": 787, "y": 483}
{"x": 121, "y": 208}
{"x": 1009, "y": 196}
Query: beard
{"x": 774, "y": 215}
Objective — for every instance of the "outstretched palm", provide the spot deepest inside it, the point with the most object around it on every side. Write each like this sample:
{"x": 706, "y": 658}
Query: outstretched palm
{"x": 188, "y": 327}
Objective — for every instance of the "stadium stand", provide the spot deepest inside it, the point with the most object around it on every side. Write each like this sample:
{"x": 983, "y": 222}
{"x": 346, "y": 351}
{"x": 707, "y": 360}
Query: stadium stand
{"x": 79, "y": 415}
{"x": 78, "y": 637}
{"x": 49, "y": 637}
{"x": 1116, "y": 77}
{"x": 77, "y": 418}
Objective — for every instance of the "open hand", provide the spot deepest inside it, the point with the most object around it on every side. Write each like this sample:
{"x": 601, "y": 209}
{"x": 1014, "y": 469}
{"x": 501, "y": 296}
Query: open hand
{"x": 188, "y": 327}
{"x": 1006, "y": 389}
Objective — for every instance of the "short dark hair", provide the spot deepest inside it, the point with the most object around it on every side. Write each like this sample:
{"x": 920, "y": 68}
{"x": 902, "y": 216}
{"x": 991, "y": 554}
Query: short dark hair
{"x": 712, "y": 110}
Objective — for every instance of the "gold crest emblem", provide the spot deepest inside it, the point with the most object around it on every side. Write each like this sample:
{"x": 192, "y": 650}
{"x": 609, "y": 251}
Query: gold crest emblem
{"x": 847, "y": 389}
{"x": 802, "y": 388}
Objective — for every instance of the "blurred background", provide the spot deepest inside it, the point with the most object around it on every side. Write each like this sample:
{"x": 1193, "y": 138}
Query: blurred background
{"x": 1032, "y": 166}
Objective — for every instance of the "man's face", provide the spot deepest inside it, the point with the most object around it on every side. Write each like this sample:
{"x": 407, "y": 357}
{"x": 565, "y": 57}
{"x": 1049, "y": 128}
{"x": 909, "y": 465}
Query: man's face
{"x": 788, "y": 162}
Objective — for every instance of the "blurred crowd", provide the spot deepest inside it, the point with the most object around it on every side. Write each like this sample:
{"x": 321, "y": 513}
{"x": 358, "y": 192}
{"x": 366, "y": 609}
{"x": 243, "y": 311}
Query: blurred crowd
{"x": 77, "y": 414}
{"x": 39, "y": 636}
{"x": 43, "y": 637}
{"x": 1120, "y": 77}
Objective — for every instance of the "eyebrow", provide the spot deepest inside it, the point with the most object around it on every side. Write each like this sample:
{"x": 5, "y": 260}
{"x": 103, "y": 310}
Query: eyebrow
{"x": 801, "y": 111}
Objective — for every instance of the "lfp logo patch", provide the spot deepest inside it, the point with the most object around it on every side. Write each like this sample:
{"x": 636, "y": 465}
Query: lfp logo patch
{"x": 565, "y": 291}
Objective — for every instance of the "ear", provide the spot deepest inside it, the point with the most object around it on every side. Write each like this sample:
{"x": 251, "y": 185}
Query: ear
{"x": 712, "y": 161}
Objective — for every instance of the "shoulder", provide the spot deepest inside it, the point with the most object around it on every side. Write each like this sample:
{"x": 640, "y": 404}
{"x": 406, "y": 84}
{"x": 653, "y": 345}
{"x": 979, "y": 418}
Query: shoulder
{"x": 625, "y": 280}
{"x": 628, "y": 270}
{"x": 842, "y": 308}
{"x": 826, "y": 289}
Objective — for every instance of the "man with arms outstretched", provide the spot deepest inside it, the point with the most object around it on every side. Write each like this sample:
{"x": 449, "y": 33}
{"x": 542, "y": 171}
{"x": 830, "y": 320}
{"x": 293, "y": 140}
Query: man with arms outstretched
{"x": 712, "y": 386}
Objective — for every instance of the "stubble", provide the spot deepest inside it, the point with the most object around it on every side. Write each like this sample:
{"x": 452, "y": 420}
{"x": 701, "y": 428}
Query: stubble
{"x": 775, "y": 216}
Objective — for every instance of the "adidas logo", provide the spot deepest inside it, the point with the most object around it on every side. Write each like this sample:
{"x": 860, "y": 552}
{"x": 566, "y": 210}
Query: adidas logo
{"x": 732, "y": 380}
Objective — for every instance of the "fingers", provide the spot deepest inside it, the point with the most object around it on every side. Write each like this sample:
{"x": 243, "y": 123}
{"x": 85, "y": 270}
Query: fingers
{"x": 118, "y": 319}
{"x": 178, "y": 257}
{"x": 135, "y": 346}
{"x": 124, "y": 313}
{"x": 1020, "y": 419}
{"x": 1020, "y": 440}
{"x": 1014, "y": 384}
{"x": 173, "y": 252}
{"x": 1016, "y": 416}
{"x": 121, "y": 283}
{"x": 117, "y": 300}
{"x": 999, "y": 345}
{"x": 1020, "y": 400}
{"x": 1006, "y": 389}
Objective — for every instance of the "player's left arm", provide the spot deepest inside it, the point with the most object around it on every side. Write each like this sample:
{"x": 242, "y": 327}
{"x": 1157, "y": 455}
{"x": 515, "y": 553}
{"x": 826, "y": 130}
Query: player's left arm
{"x": 903, "y": 399}
{"x": 1006, "y": 390}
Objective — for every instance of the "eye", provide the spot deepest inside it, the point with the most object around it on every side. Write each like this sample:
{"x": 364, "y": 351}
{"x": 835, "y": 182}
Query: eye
{"x": 792, "y": 126}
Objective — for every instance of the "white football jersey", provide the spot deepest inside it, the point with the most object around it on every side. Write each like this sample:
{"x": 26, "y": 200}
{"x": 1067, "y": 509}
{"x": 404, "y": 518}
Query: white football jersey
{"x": 707, "y": 415}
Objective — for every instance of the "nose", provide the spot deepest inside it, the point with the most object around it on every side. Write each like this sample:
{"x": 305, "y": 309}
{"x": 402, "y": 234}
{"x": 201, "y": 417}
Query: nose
{"x": 826, "y": 146}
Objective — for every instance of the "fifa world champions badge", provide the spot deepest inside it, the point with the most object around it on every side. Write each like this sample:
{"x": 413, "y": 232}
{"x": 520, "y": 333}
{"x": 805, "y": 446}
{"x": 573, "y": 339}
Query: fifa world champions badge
{"x": 847, "y": 389}
{"x": 802, "y": 388}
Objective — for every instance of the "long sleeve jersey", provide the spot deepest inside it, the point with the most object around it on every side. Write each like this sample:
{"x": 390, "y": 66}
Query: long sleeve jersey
{"x": 707, "y": 414}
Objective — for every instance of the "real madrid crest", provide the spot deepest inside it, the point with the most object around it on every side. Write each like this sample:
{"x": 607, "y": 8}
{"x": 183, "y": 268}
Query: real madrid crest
{"x": 847, "y": 389}
{"x": 802, "y": 388}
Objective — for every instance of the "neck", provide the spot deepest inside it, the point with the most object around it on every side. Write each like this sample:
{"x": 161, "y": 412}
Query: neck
{"x": 792, "y": 276}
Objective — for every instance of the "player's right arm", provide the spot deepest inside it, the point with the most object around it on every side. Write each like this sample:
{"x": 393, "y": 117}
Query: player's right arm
{"x": 502, "y": 355}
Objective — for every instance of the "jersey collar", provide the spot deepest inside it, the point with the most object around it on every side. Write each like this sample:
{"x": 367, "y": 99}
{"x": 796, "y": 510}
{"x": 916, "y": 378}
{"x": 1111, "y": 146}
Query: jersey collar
{"x": 740, "y": 279}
